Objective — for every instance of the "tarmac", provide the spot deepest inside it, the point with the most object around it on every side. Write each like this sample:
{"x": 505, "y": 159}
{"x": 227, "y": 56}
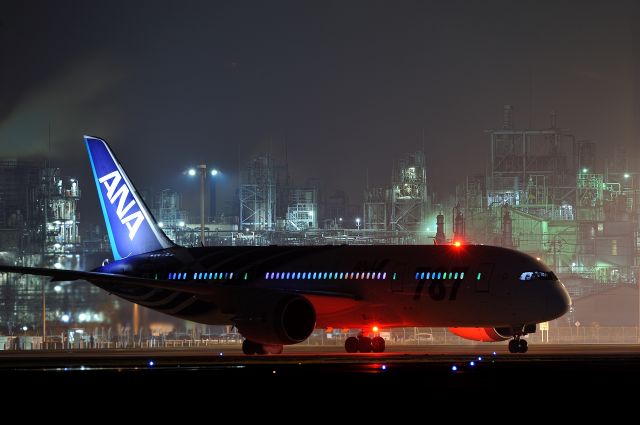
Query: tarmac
{"x": 432, "y": 368}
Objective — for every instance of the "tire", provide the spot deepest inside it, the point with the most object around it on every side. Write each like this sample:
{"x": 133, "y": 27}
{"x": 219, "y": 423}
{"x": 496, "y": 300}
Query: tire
{"x": 248, "y": 347}
{"x": 378, "y": 344}
{"x": 351, "y": 345}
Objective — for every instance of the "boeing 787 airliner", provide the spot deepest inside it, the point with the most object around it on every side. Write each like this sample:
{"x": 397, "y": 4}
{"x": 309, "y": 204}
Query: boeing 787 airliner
{"x": 277, "y": 295}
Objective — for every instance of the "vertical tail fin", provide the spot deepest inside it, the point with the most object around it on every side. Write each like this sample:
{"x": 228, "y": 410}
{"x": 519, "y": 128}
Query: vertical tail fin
{"x": 132, "y": 229}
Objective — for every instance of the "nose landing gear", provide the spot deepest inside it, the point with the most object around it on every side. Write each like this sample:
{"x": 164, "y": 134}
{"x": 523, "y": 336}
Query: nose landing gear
{"x": 518, "y": 345}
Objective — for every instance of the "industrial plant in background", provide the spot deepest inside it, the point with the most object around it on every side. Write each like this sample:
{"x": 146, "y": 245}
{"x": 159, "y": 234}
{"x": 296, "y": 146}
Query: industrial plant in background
{"x": 543, "y": 193}
{"x": 39, "y": 228}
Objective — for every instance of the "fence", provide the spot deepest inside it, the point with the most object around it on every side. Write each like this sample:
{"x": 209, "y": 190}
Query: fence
{"x": 401, "y": 336}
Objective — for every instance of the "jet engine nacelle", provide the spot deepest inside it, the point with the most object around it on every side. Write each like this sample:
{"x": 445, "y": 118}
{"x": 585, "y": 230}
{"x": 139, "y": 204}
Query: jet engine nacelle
{"x": 277, "y": 319}
{"x": 483, "y": 334}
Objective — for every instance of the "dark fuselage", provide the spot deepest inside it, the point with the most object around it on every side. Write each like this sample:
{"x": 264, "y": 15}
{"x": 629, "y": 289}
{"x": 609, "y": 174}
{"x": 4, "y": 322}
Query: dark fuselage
{"x": 351, "y": 286}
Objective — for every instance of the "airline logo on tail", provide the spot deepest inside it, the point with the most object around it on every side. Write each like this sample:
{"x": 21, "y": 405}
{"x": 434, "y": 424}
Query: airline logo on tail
{"x": 131, "y": 227}
{"x": 111, "y": 182}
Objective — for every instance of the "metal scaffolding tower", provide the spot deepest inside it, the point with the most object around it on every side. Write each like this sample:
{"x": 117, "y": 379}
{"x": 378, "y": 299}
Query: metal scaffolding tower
{"x": 375, "y": 209}
{"x": 534, "y": 170}
{"x": 258, "y": 195}
{"x": 409, "y": 200}
{"x": 302, "y": 212}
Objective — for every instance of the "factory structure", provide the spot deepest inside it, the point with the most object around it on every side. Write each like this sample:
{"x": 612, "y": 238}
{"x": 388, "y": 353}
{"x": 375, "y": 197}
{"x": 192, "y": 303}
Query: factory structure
{"x": 544, "y": 192}
{"x": 39, "y": 223}
{"x": 546, "y": 195}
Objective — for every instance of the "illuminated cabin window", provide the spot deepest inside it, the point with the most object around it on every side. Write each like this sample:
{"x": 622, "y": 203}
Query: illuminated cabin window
{"x": 231, "y": 275}
{"x": 462, "y": 275}
{"x": 384, "y": 276}
{"x": 479, "y": 276}
{"x": 439, "y": 275}
{"x": 455, "y": 276}
{"x": 428, "y": 275}
{"x": 394, "y": 276}
{"x": 379, "y": 275}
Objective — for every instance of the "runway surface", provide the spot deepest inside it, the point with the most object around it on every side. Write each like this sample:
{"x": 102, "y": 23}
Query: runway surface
{"x": 430, "y": 368}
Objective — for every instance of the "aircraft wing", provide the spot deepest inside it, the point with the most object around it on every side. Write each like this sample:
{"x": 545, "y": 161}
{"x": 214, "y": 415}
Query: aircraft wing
{"x": 58, "y": 275}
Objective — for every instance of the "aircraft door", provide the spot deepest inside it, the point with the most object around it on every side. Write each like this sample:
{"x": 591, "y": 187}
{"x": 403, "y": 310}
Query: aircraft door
{"x": 483, "y": 277}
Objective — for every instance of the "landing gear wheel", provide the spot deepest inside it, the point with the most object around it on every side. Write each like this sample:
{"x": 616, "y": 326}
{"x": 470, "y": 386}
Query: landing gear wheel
{"x": 249, "y": 347}
{"x": 523, "y": 347}
{"x": 364, "y": 344}
{"x": 351, "y": 344}
{"x": 377, "y": 344}
{"x": 514, "y": 346}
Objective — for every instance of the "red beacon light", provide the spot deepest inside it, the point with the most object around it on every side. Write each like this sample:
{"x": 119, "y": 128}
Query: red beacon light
{"x": 375, "y": 329}
{"x": 457, "y": 244}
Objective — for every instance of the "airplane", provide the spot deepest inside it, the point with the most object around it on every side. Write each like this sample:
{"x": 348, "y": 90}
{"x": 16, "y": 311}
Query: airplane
{"x": 277, "y": 295}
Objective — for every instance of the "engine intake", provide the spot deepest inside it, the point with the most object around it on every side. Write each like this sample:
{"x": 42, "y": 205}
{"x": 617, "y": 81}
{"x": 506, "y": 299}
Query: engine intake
{"x": 282, "y": 319}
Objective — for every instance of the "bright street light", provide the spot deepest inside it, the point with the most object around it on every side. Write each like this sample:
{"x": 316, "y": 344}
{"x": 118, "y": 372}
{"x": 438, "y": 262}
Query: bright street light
{"x": 358, "y": 222}
{"x": 627, "y": 175}
{"x": 202, "y": 170}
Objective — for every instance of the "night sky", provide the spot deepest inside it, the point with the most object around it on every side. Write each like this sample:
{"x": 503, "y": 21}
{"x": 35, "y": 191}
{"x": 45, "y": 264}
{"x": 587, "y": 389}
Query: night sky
{"x": 349, "y": 85}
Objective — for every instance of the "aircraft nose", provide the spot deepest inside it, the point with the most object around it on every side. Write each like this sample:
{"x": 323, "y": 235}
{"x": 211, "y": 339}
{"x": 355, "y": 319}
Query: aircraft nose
{"x": 558, "y": 300}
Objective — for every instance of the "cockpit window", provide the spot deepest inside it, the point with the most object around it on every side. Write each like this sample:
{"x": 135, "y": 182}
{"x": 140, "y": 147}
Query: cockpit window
{"x": 537, "y": 275}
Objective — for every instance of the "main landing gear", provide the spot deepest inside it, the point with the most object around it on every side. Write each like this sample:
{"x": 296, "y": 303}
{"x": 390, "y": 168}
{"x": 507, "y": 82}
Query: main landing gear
{"x": 251, "y": 347}
{"x": 364, "y": 344}
{"x": 518, "y": 345}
